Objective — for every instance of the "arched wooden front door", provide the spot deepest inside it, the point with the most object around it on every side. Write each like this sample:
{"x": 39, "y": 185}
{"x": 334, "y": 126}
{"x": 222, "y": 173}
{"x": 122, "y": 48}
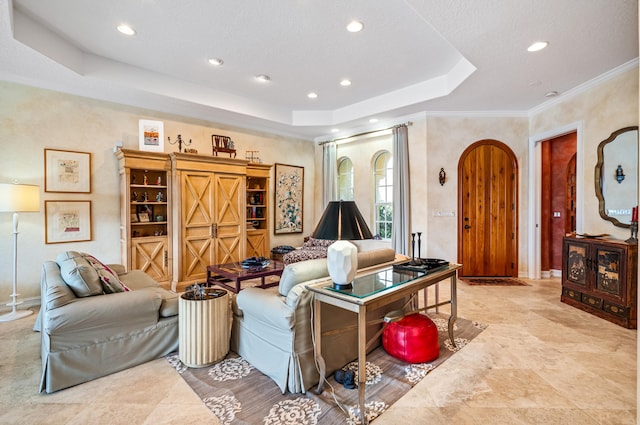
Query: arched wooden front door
{"x": 487, "y": 219}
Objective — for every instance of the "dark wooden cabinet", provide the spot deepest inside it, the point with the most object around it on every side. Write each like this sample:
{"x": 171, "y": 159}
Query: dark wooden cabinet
{"x": 600, "y": 276}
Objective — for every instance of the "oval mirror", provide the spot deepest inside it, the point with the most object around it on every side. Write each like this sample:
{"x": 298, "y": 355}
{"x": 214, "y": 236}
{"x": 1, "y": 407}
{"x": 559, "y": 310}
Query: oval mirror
{"x": 616, "y": 176}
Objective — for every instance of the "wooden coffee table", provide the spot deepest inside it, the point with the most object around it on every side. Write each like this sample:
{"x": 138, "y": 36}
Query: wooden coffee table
{"x": 236, "y": 273}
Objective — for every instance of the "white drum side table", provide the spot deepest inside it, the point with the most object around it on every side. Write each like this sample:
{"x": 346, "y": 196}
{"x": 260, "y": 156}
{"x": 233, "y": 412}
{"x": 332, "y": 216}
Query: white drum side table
{"x": 203, "y": 327}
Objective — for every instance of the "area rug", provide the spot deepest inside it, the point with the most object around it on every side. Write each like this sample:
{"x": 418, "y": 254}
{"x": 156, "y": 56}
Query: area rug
{"x": 237, "y": 393}
{"x": 494, "y": 281}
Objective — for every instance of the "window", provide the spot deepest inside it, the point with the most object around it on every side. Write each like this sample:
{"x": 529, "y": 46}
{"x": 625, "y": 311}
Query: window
{"x": 345, "y": 179}
{"x": 383, "y": 196}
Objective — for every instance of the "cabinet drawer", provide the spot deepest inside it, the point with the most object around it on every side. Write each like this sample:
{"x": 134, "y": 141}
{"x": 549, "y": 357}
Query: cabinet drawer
{"x": 615, "y": 309}
{"x": 571, "y": 293}
{"x": 592, "y": 301}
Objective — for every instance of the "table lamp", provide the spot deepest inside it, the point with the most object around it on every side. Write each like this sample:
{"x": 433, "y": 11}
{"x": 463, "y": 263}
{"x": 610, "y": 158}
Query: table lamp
{"x": 17, "y": 198}
{"x": 342, "y": 220}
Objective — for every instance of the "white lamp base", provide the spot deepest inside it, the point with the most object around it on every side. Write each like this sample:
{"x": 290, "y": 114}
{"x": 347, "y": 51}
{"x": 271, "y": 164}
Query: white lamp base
{"x": 342, "y": 262}
{"x": 15, "y": 315}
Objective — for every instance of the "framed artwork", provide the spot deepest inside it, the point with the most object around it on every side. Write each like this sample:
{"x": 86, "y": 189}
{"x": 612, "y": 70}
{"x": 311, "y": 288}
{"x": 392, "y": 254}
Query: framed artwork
{"x": 151, "y": 135}
{"x": 67, "y": 221}
{"x": 289, "y": 196}
{"x": 67, "y": 171}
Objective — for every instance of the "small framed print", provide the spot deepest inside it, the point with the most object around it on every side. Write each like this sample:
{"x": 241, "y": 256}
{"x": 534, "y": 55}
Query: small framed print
{"x": 67, "y": 221}
{"x": 151, "y": 136}
{"x": 145, "y": 213}
{"x": 134, "y": 218}
{"x": 67, "y": 171}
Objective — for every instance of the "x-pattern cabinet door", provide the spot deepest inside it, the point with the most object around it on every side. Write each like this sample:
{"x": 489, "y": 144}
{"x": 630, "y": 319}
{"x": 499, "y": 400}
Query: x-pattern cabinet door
{"x": 211, "y": 221}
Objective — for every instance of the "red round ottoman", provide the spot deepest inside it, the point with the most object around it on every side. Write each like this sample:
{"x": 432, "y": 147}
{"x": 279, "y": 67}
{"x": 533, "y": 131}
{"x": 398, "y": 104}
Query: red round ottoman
{"x": 413, "y": 339}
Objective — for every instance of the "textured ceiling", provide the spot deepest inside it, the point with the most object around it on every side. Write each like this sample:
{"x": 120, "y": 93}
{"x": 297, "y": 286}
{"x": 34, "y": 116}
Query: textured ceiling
{"x": 412, "y": 56}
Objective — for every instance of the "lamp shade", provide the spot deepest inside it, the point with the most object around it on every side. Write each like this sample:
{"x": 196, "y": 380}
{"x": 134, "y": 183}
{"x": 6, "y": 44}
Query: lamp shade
{"x": 19, "y": 197}
{"x": 342, "y": 220}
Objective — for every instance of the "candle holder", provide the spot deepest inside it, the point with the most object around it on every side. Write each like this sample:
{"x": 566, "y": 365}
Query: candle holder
{"x": 180, "y": 142}
{"x": 634, "y": 233}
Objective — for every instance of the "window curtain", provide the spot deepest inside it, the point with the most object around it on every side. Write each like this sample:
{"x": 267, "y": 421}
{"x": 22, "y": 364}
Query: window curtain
{"x": 329, "y": 174}
{"x": 401, "y": 202}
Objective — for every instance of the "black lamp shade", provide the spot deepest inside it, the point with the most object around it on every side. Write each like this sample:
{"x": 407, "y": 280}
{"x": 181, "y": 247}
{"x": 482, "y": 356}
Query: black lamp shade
{"x": 342, "y": 220}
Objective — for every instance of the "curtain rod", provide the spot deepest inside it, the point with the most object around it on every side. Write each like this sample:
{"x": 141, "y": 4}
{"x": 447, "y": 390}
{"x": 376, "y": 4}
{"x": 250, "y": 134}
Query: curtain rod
{"x": 406, "y": 124}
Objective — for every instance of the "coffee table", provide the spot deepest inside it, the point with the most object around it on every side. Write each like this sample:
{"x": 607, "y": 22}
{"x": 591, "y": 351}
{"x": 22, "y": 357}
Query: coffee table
{"x": 236, "y": 273}
{"x": 371, "y": 291}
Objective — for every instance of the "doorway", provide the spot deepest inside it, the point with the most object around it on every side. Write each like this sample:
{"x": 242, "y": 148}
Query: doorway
{"x": 487, "y": 219}
{"x": 534, "y": 226}
{"x": 558, "y": 197}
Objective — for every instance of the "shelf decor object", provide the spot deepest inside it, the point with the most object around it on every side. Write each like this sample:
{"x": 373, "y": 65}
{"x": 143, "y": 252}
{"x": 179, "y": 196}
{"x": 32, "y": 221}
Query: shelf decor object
{"x": 180, "y": 142}
{"x": 289, "y": 195}
{"x": 67, "y": 221}
{"x": 67, "y": 171}
{"x": 17, "y": 198}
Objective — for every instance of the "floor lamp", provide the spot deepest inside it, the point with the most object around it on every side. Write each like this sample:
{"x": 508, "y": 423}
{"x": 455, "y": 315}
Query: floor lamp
{"x": 17, "y": 198}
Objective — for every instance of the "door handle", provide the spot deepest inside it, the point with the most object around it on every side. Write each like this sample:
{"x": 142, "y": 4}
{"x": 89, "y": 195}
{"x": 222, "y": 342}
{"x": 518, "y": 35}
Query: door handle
{"x": 466, "y": 226}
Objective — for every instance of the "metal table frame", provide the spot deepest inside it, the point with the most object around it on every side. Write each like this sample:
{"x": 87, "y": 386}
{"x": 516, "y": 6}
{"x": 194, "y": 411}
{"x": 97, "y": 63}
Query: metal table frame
{"x": 379, "y": 299}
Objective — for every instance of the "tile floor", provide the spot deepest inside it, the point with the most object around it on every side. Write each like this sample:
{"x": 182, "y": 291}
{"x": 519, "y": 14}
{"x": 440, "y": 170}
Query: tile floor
{"x": 538, "y": 362}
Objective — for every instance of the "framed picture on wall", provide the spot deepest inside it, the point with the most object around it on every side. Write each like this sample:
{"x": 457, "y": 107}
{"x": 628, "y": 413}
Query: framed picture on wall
{"x": 67, "y": 171}
{"x": 151, "y": 134}
{"x": 67, "y": 221}
{"x": 289, "y": 197}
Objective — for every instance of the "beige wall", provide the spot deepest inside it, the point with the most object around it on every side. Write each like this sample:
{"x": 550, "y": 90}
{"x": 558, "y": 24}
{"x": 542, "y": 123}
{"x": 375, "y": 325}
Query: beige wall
{"x": 32, "y": 119}
{"x": 602, "y": 109}
{"x": 447, "y": 138}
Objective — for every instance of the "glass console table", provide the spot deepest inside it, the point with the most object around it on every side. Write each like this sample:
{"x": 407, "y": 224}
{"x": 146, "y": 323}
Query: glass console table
{"x": 372, "y": 291}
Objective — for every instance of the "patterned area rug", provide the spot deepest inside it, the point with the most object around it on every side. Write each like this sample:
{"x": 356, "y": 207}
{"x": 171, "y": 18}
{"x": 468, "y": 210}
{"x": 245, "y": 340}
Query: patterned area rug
{"x": 494, "y": 281}
{"x": 237, "y": 393}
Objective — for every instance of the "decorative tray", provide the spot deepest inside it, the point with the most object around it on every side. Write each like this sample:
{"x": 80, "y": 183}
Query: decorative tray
{"x": 424, "y": 265}
{"x": 253, "y": 263}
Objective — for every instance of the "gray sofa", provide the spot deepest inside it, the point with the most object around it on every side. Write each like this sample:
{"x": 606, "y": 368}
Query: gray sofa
{"x": 95, "y": 320}
{"x": 273, "y": 330}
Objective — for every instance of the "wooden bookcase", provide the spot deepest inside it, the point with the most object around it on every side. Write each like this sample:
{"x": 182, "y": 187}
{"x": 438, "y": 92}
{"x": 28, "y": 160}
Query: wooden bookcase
{"x": 257, "y": 209}
{"x": 600, "y": 276}
{"x": 145, "y": 224}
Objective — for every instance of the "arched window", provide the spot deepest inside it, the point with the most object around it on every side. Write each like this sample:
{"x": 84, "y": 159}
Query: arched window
{"x": 345, "y": 179}
{"x": 383, "y": 196}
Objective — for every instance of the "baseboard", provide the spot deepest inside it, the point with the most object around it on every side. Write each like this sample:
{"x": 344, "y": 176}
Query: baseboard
{"x": 556, "y": 273}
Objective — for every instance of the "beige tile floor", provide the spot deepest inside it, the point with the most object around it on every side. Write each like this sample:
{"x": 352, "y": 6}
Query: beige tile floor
{"x": 538, "y": 362}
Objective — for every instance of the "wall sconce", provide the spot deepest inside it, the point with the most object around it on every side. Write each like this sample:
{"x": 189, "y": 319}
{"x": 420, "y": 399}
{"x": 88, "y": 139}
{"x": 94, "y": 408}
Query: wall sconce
{"x": 619, "y": 174}
{"x": 442, "y": 176}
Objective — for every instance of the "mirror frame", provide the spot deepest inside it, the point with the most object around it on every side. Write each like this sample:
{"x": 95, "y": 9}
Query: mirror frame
{"x": 598, "y": 176}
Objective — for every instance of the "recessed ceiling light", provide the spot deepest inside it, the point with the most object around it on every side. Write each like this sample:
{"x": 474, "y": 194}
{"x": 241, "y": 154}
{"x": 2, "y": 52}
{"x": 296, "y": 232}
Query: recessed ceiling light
{"x": 355, "y": 26}
{"x": 538, "y": 45}
{"x": 551, "y": 93}
{"x": 263, "y": 78}
{"x": 335, "y": 130}
{"x": 126, "y": 29}
{"x": 216, "y": 61}
{"x": 373, "y": 120}
{"x": 312, "y": 95}
{"x": 345, "y": 82}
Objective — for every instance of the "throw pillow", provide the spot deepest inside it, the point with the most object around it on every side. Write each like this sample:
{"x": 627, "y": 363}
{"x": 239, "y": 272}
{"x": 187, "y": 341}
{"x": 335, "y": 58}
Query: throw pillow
{"x": 78, "y": 274}
{"x": 111, "y": 283}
